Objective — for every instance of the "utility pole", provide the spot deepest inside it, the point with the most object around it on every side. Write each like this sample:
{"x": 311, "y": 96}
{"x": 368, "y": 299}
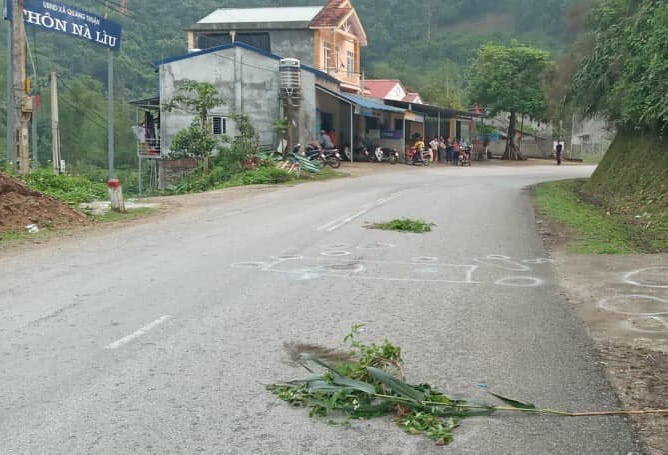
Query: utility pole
{"x": 22, "y": 102}
{"x": 10, "y": 93}
{"x": 110, "y": 94}
{"x": 110, "y": 110}
{"x": 55, "y": 129}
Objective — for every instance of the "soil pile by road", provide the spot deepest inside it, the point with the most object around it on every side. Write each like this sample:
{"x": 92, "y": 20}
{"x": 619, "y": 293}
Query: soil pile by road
{"x": 21, "y": 206}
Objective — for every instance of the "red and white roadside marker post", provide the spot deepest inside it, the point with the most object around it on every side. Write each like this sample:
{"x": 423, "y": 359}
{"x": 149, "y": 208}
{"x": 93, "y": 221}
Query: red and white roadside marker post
{"x": 116, "y": 195}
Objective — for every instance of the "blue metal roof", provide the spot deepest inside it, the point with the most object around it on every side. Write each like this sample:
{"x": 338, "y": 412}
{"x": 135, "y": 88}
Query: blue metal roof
{"x": 242, "y": 45}
{"x": 369, "y": 103}
{"x": 366, "y": 104}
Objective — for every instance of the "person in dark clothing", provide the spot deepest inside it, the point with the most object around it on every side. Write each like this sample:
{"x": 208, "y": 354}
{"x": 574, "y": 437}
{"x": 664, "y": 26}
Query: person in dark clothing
{"x": 559, "y": 150}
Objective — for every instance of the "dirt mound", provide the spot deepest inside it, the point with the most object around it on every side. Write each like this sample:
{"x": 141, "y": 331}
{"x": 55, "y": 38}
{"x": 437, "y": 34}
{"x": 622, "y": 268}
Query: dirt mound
{"x": 21, "y": 206}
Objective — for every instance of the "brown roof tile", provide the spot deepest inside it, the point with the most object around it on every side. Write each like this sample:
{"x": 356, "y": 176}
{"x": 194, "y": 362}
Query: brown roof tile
{"x": 332, "y": 14}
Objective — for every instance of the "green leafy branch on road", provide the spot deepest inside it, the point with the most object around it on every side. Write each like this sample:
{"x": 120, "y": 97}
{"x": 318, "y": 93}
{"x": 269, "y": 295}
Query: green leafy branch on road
{"x": 404, "y": 225}
{"x": 368, "y": 381}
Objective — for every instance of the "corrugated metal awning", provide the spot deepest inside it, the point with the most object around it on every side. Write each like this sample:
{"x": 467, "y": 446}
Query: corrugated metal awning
{"x": 364, "y": 106}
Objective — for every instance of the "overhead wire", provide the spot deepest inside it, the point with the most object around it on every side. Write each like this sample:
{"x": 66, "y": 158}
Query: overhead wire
{"x": 115, "y": 7}
{"x": 271, "y": 70}
{"x": 97, "y": 114}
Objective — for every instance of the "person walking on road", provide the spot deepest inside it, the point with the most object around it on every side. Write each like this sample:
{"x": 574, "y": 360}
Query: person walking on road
{"x": 559, "y": 150}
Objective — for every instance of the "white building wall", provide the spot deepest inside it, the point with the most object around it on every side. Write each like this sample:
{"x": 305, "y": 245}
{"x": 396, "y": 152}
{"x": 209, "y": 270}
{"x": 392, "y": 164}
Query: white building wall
{"x": 249, "y": 84}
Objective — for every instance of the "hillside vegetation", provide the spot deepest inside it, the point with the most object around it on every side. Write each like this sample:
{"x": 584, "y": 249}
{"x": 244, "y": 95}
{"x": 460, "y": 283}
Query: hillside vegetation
{"x": 426, "y": 43}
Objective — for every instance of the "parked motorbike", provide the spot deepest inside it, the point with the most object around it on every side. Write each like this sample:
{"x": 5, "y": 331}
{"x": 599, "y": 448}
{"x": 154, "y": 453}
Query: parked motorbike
{"x": 381, "y": 154}
{"x": 332, "y": 158}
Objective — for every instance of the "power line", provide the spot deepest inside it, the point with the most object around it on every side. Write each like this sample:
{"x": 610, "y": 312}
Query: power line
{"x": 81, "y": 111}
{"x": 271, "y": 70}
{"x": 116, "y": 8}
{"x": 77, "y": 98}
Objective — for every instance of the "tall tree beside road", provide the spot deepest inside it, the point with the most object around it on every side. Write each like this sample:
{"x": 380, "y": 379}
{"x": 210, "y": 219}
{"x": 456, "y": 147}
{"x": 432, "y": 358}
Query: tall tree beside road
{"x": 622, "y": 75}
{"x": 511, "y": 79}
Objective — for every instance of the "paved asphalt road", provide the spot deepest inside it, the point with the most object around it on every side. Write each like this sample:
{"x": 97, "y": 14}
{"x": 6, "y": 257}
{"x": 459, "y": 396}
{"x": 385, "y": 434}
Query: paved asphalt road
{"x": 160, "y": 337}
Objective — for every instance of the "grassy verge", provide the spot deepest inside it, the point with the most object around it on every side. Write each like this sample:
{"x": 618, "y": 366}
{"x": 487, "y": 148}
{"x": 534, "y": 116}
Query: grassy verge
{"x": 132, "y": 214}
{"x": 18, "y": 236}
{"x": 596, "y": 230}
{"x": 404, "y": 225}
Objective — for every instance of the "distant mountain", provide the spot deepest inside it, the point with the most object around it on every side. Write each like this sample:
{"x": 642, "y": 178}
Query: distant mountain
{"x": 425, "y": 43}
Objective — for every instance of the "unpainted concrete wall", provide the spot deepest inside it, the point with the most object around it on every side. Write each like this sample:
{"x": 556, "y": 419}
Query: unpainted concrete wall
{"x": 249, "y": 84}
{"x": 293, "y": 44}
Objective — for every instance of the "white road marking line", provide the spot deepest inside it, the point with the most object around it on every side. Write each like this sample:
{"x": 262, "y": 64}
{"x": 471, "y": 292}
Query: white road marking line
{"x": 138, "y": 333}
{"x": 347, "y": 218}
{"x": 325, "y": 226}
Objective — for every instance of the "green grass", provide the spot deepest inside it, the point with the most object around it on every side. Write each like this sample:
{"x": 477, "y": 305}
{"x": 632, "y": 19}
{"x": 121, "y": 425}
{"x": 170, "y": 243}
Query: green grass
{"x": 133, "y": 214}
{"x": 596, "y": 232}
{"x": 404, "y": 225}
{"x": 14, "y": 236}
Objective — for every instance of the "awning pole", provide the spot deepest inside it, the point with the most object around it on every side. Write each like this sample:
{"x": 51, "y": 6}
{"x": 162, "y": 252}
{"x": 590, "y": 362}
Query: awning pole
{"x": 403, "y": 140}
{"x": 352, "y": 146}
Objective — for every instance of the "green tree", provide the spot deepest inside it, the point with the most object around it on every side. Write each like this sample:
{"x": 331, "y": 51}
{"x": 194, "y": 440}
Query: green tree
{"x": 511, "y": 79}
{"x": 622, "y": 75}
{"x": 196, "y": 98}
{"x": 194, "y": 141}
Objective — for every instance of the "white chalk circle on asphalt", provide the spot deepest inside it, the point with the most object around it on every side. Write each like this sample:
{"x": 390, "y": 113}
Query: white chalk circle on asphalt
{"x": 288, "y": 257}
{"x": 650, "y": 277}
{"x": 646, "y": 324}
{"x": 424, "y": 260}
{"x": 538, "y": 261}
{"x": 345, "y": 267}
{"x": 249, "y": 265}
{"x": 336, "y": 247}
{"x": 635, "y": 305}
{"x": 376, "y": 246}
{"x": 520, "y": 282}
{"x": 335, "y": 253}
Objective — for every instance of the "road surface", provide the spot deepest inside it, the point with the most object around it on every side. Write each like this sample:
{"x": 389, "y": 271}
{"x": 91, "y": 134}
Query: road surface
{"x": 160, "y": 337}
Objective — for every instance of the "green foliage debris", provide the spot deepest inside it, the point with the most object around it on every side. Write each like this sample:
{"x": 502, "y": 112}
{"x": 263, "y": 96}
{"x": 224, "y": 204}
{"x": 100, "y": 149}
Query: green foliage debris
{"x": 404, "y": 225}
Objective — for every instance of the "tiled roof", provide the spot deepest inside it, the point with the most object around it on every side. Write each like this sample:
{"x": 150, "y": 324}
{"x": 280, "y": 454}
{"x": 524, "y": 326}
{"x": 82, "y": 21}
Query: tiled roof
{"x": 332, "y": 14}
{"x": 411, "y": 97}
{"x": 379, "y": 88}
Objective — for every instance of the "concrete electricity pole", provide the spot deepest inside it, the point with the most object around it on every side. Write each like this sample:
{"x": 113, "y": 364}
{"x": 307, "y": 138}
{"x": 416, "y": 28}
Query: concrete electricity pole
{"x": 55, "y": 127}
{"x": 22, "y": 101}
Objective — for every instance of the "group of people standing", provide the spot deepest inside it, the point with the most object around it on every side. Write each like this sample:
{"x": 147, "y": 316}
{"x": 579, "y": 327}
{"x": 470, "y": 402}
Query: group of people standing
{"x": 445, "y": 149}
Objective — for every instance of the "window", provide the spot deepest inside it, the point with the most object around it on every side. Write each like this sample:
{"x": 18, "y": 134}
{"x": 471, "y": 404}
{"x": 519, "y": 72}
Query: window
{"x": 326, "y": 57}
{"x": 338, "y": 60}
{"x": 585, "y": 139}
{"x": 258, "y": 40}
{"x": 350, "y": 63}
{"x": 218, "y": 125}
{"x": 207, "y": 40}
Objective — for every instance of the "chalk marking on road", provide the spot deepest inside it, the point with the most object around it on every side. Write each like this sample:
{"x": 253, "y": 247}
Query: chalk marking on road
{"x": 628, "y": 278}
{"x": 616, "y": 304}
{"x": 347, "y": 218}
{"x": 425, "y": 260}
{"x": 538, "y": 261}
{"x": 376, "y": 246}
{"x": 334, "y": 253}
{"x": 660, "y": 325}
{"x": 502, "y": 262}
{"x": 519, "y": 282}
{"x": 140, "y": 332}
{"x": 349, "y": 269}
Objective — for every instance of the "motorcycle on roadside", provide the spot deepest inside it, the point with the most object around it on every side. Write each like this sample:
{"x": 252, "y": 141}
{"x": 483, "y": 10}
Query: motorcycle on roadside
{"x": 381, "y": 154}
{"x": 417, "y": 158}
{"x": 327, "y": 157}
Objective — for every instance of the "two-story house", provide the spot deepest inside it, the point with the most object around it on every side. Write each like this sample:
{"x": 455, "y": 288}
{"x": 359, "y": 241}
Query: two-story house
{"x": 328, "y": 38}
